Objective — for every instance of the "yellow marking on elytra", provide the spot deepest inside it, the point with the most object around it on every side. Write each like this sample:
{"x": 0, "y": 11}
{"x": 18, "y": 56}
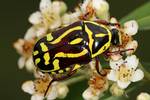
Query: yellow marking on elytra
{"x": 71, "y": 55}
{"x": 37, "y": 60}
{"x": 35, "y": 53}
{"x": 46, "y": 58}
{"x": 60, "y": 71}
{"x": 65, "y": 33}
{"x": 76, "y": 41}
{"x": 53, "y": 73}
{"x": 106, "y": 46}
{"x": 100, "y": 35}
{"x": 91, "y": 40}
{"x": 67, "y": 69}
{"x": 56, "y": 65}
{"x": 77, "y": 66}
{"x": 43, "y": 47}
{"x": 49, "y": 37}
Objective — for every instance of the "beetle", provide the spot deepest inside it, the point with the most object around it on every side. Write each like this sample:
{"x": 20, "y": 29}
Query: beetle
{"x": 65, "y": 50}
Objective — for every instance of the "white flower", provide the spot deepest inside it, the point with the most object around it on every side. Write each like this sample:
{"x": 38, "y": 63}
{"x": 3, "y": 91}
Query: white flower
{"x": 101, "y": 8}
{"x": 24, "y": 48}
{"x": 38, "y": 87}
{"x": 131, "y": 27}
{"x": 143, "y": 96}
{"x": 126, "y": 72}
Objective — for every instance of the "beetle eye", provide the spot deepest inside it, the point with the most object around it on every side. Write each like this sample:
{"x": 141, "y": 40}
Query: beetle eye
{"x": 115, "y": 37}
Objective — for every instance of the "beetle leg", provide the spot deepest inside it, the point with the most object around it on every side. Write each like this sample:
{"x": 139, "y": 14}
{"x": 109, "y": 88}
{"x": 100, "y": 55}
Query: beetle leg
{"x": 104, "y": 22}
{"x": 71, "y": 72}
{"x": 97, "y": 67}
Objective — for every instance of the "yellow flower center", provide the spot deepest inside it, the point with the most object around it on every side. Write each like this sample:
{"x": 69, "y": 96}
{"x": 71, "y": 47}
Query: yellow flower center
{"x": 124, "y": 74}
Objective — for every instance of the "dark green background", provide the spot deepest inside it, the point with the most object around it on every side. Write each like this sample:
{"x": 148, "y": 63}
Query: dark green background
{"x": 14, "y": 23}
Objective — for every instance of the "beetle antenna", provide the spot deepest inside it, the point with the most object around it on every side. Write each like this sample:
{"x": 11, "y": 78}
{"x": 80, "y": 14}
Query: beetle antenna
{"x": 48, "y": 87}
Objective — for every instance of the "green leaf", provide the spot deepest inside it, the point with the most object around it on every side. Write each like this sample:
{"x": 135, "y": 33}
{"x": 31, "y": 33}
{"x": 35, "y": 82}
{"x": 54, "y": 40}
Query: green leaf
{"x": 141, "y": 15}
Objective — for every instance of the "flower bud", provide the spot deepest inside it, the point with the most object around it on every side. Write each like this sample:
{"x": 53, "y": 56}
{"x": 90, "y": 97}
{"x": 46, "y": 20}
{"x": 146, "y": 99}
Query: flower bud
{"x": 62, "y": 90}
{"x": 131, "y": 27}
{"x": 143, "y": 96}
{"x": 116, "y": 91}
{"x": 89, "y": 95}
{"x": 59, "y": 7}
{"x": 36, "y": 18}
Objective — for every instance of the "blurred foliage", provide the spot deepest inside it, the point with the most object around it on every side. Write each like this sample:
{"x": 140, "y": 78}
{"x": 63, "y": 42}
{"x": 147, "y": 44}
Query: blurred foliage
{"x": 141, "y": 15}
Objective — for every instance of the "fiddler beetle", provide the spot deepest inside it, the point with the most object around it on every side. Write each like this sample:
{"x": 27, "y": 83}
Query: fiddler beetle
{"x": 62, "y": 52}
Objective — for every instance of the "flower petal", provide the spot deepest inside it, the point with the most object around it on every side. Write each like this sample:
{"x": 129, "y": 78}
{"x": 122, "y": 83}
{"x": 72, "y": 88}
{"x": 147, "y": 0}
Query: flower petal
{"x": 30, "y": 34}
{"x": 37, "y": 97}
{"x": 112, "y": 75}
{"x": 29, "y": 64}
{"x": 28, "y": 87}
{"x": 45, "y": 5}
{"x": 131, "y": 27}
{"x": 131, "y": 62}
{"x": 52, "y": 94}
{"x": 36, "y": 18}
{"x": 137, "y": 75}
{"x": 123, "y": 85}
{"x": 21, "y": 62}
{"x": 115, "y": 64}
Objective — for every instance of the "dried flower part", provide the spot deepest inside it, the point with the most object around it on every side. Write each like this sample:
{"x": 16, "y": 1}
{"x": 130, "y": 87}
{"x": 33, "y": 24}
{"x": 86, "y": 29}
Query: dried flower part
{"x": 94, "y": 8}
{"x": 24, "y": 47}
{"x": 98, "y": 83}
{"x": 41, "y": 84}
{"x": 125, "y": 39}
{"x": 116, "y": 91}
{"x": 143, "y": 96}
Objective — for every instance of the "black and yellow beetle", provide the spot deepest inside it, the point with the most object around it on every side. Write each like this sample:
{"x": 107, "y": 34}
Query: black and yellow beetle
{"x": 67, "y": 49}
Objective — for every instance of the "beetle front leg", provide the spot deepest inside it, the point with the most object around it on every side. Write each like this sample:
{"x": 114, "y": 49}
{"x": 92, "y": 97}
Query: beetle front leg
{"x": 97, "y": 67}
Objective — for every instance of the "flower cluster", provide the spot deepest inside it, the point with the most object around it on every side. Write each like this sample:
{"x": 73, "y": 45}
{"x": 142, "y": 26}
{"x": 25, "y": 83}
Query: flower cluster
{"x": 122, "y": 60}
